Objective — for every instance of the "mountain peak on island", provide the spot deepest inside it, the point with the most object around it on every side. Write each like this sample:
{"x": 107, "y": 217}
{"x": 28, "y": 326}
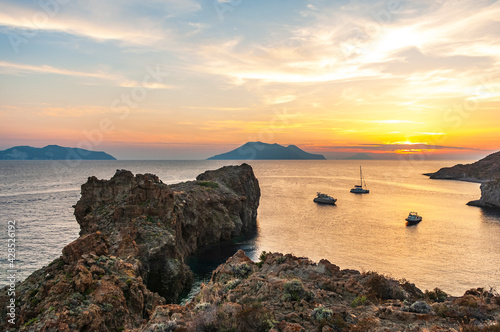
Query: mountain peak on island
{"x": 265, "y": 151}
{"x": 52, "y": 152}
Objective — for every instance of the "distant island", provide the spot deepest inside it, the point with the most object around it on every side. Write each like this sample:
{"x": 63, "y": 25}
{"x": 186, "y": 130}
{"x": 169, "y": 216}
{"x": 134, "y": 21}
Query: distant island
{"x": 483, "y": 170}
{"x": 52, "y": 152}
{"x": 359, "y": 156}
{"x": 265, "y": 151}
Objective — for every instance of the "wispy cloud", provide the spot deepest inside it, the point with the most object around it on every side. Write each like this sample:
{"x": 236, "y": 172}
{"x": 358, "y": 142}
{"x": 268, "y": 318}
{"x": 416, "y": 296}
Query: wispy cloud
{"x": 115, "y": 79}
{"x": 392, "y": 147}
{"x": 18, "y": 68}
{"x": 101, "y": 21}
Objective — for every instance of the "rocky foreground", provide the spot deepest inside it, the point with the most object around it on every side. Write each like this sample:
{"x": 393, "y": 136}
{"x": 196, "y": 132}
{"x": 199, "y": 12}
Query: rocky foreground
{"x": 135, "y": 234}
{"x": 483, "y": 170}
{"x": 286, "y": 293}
{"x": 126, "y": 271}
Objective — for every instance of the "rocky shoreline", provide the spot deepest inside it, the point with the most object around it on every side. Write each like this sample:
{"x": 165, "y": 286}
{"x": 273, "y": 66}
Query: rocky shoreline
{"x": 485, "y": 171}
{"x": 481, "y": 171}
{"x": 490, "y": 195}
{"x": 126, "y": 271}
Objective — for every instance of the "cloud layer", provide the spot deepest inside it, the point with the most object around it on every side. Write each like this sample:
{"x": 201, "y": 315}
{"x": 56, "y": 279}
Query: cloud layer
{"x": 355, "y": 73}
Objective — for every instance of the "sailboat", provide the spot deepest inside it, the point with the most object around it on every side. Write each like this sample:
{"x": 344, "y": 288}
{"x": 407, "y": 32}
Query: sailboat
{"x": 361, "y": 188}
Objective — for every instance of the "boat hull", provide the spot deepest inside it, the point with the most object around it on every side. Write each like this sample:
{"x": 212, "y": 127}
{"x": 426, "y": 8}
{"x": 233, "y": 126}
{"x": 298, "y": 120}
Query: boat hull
{"x": 411, "y": 222}
{"x": 360, "y": 191}
{"x": 325, "y": 201}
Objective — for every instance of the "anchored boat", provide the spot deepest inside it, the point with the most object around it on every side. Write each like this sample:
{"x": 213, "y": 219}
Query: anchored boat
{"x": 413, "y": 219}
{"x": 324, "y": 199}
{"x": 361, "y": 188}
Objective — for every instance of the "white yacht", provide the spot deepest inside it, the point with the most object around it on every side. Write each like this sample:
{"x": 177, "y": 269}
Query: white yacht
{"x": 361, "y": 188}
{"x": 324, "y": 199}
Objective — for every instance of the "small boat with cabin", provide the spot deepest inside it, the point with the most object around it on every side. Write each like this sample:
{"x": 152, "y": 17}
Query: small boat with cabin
{"x": 361, "y": 188}
{"x": 413, "y": 219}
{"x": 324, "y": 199}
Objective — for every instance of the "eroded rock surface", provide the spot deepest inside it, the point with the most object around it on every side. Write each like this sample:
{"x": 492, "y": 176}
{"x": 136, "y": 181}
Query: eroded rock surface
{"x": 490, "y": 195}
{"x": 285, "y": 293}
{"x": 135, "y": 234}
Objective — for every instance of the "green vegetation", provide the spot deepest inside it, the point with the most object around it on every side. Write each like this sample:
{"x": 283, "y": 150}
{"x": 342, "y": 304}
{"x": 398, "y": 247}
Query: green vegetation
{"x": 262, "y": 259}
{"x": 31, "y": 321}
{"x": 437, "y": 295}
{"x": 294, "y": 291}
{"x": 208, "y": 184}
{"x": 242, "y": 271}
{"x": 321, "y": 314}
{"x": 232, "y": 284}
{"x": 359, "y": 301}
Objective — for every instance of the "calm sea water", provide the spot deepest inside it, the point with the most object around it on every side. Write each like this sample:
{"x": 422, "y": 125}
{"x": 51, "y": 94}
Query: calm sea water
{"x": 454, "y": 248}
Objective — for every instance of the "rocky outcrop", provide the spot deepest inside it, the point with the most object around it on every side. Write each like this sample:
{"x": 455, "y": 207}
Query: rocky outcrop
{"x": 161, "y": 225}
{"x": 84, "y": 290}
{"x": 287, "y": 293}
{"x": 490, "y": 195}
{"x": 135, "y": 234}
{"x": 483, "y": 170}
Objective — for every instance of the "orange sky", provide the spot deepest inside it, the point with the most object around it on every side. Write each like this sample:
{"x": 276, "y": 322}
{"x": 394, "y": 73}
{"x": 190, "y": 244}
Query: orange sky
{"x": 187, "y": 80}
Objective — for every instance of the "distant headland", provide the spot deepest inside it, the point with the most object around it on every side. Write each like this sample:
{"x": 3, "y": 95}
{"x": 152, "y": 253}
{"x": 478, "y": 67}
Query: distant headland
{"x": 52, "y": 152}
{"x": 483, "y": 170}
{"x": 265, "y": 151}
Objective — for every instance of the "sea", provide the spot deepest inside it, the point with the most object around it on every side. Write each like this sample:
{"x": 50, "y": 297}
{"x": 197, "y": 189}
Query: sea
{"x": 456, "y": 247}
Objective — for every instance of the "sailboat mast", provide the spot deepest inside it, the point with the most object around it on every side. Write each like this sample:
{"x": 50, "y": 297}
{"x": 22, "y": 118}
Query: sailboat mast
{"x": 360, "y": 176}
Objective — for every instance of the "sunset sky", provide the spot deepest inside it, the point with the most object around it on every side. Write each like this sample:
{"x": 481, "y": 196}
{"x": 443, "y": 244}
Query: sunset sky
{"x": 172, "y": 79}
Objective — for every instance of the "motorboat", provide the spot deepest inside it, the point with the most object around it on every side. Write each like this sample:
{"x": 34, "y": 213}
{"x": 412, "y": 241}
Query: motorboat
{"x": 324, "y": 199}
{"x": 413, "y": 219}
{"x": 361, "y": 188}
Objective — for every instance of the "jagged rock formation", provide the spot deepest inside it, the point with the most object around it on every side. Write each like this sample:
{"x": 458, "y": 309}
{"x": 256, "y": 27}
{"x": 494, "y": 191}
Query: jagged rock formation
{"x": 483, "y": 170}
{"x": 135, "y": 234}
{"x": 490, "y": 195}
{"x": 284, "y": 293}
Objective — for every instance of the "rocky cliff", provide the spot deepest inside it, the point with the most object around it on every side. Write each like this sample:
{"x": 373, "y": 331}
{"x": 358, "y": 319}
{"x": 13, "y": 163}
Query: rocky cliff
{"x": 483, "y": 170}
{"x": 135, "y": 234}
{"x": 284, "y": 293}
{"x": 490, "y": 195}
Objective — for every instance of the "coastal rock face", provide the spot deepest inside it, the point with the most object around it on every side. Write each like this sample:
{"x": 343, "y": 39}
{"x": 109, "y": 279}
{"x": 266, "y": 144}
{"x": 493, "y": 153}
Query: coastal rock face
{"x": 287, "y": 293}
{"x": 84, "y": 290}
{"x": 162, "y": 225}
{"x": 135, "y": 234}
{"x": 490, "y": 195}
{"x": 483, "y": 170}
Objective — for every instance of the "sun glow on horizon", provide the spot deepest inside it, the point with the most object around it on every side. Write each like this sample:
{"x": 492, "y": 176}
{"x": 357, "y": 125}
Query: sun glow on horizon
{"x": 354, "y": 77}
